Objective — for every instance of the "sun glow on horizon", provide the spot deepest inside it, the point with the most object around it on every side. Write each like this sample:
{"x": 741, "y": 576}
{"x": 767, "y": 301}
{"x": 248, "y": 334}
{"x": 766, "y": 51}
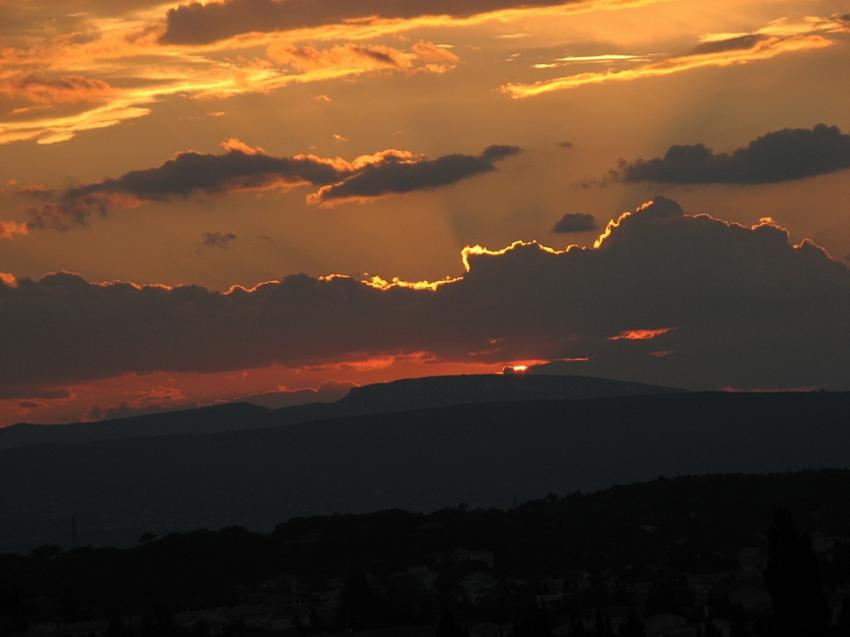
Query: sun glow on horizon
{"x": 640, "y": 334}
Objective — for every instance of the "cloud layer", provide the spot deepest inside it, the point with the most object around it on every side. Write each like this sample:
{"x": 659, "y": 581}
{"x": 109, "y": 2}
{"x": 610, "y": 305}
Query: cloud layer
{"x": 221, "y": 240}
{"x": 197, "y": 23}
{"x": 70, "y": 83}
{"x": 741, "y": 307}
{"x": 403, "y": 175}
{"x": 778, "y": 156}
{"x": 242, "y": 168}
{"x": 715, "y": 51}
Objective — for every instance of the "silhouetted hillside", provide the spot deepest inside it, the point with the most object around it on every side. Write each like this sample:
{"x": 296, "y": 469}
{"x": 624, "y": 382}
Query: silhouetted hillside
{"x": 625, "y": 561}
{"x": 481, "y": 454}
{"x": 438, "y": 391}
{"x": 401, "y": 395}
{"x": 228, "y": 417}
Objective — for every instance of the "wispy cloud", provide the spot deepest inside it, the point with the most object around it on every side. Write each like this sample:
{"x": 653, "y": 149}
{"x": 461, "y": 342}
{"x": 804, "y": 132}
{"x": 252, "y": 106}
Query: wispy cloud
{"x": 116, "y": 81}
{"x": 84, "y": 65}
{"x": 602, "y": 58}
{"x": 205, "y": 23}
{"x": 720, "y": 50}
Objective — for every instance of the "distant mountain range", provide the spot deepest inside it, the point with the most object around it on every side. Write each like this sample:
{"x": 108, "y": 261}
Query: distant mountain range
{"x": 481, "y": 453}
{"x": 419, "y": 393}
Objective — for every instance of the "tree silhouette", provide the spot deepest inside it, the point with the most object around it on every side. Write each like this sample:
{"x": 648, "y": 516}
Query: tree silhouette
{"x": 116, "y": 626}
{"x": 842, "y": 629}
{"x": 200, "y": 629}
{"x": 794, "y": 582}
{"x": 447, "y": 626}
{"x": 710, "y": 629}
{"x": 360, "y": 607}
{"x": 603, "y": 626}
{"x": 533, "y": 622}
{"x": 740, "y": 628}
{"x": 633, "y": 627}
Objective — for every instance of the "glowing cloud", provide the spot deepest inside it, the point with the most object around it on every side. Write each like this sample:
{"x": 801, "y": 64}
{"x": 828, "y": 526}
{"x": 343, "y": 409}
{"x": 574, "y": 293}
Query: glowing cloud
{"x": 409, "y": 175}
{"x": 640, "y": 335}
{"x": 778, "y": 38}
{"x": 12, "y": 229}
{"x": 63, "y": 90}
{"x": 78, "y": 99}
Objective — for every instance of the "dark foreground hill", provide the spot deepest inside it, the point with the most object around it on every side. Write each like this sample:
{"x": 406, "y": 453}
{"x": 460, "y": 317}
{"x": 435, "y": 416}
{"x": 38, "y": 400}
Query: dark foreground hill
{"x": 402, "y": 395}
{"x": 687, "y": 554}
{"x": 481, "y": 454}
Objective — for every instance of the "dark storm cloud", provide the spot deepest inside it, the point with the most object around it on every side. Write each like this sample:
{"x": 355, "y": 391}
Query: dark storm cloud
{"x": 187, "y": 174}
{"x": 782, "y": 155}
{"x": 220, "y": 240}
{"x": 401, "y": 176}
{"x": 197, "y": 23}
{"x": 665, "y": 297}
{"x": 575, "y": 222}
{"x": 244, "y": 168}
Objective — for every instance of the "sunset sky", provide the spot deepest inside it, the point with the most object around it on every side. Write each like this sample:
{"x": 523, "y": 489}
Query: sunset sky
{"x": 204, "y": 202}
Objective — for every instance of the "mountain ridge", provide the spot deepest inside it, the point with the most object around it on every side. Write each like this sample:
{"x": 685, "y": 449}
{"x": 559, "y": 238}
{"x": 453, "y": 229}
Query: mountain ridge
{"x": 399, "y": 395}
{"x": 487, "y": 454}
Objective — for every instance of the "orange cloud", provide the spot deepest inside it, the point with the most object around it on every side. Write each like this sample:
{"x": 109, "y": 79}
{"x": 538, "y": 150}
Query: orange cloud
{"x": 478, "y": 250}
{"x": 640, "y": 335}
{"x": 234, "y": 145}
{"x": 167, "y": 72}
{"x": 121, "y": 66}
{"x": 352, "y": 57}
{"x": 117, "y": 74}
{"x": 72, "y": 89}
{"x": 11, "y": 229}
{"x": 380, "y": 283}
{"x": 55, "y": 128}
{"x": 778, "y": 38}
{"x": 372, "y": 363}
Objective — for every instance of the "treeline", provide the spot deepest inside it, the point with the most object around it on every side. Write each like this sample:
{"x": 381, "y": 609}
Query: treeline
{"x": 659, "y": 532}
